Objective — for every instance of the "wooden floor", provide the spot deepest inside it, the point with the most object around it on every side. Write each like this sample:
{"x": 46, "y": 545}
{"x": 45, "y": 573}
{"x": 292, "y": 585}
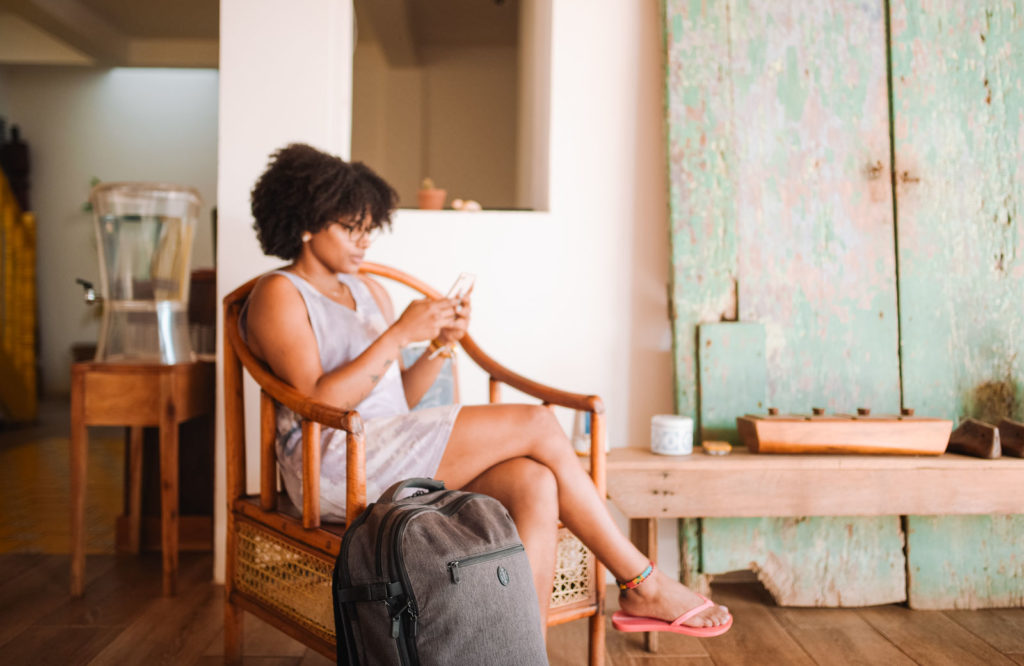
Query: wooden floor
{"x": 122, "y": 618}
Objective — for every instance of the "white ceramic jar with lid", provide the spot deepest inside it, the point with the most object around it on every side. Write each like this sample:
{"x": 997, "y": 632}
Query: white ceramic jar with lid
{"x": 672, "y": 435}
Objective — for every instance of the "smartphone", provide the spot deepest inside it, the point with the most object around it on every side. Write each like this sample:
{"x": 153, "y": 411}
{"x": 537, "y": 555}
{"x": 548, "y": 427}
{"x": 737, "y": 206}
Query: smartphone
{"x": 462, "y": 286}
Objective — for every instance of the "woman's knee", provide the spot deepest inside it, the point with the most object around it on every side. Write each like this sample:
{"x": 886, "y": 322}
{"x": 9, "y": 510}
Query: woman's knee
{"x": 541, "y": 425}
{"x": 534, "y": 488}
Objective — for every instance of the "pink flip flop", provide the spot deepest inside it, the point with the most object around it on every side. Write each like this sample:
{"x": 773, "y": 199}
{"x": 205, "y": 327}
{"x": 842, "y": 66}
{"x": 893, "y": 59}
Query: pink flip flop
{"x": 625, "y": 622}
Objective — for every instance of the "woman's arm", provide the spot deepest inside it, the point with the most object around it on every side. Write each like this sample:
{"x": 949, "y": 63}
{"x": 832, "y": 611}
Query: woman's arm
{"x": 420, "y": 376}
{"x": 280, "y": 333}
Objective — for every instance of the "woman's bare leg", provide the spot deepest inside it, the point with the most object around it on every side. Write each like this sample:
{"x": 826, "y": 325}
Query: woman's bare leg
{"x": 487, "y": 435}
{"x": 529, "y": 492}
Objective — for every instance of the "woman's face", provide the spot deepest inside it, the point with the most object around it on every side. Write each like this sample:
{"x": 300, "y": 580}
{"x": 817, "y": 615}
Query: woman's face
{"x": 340, "y": 249}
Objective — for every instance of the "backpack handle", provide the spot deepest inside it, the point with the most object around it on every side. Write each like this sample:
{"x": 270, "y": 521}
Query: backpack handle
{"x": 430, "y": 485}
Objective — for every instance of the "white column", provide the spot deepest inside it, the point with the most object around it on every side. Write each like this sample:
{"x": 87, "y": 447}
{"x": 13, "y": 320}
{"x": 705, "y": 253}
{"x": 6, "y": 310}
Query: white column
{"x": 285, "y": 76}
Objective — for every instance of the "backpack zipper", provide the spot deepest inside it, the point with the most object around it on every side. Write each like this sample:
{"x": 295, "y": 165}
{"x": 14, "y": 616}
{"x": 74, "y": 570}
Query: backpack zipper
{"x": 455, "y": 565}
{"x": 411, "y": 607}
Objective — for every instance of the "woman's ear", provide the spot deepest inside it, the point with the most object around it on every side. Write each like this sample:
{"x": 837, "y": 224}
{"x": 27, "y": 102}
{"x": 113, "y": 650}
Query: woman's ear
{"x": 306, "y": 236}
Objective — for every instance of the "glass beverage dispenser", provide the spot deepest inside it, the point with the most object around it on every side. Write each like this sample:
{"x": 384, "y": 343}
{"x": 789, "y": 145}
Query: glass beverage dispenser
{"x": 144, "y": 237}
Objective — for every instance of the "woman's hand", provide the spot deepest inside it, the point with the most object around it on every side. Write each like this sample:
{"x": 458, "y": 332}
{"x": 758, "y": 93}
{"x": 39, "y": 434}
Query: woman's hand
{"x": 425, "y": 319}
{"x": 453, "y": 333}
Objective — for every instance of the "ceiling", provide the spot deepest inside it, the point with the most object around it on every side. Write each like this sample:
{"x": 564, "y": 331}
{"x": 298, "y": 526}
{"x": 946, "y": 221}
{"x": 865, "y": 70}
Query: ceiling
{"x": 184, "y": 33}
{"x": 152, "y": 19}
{"x": 134, "y": 33}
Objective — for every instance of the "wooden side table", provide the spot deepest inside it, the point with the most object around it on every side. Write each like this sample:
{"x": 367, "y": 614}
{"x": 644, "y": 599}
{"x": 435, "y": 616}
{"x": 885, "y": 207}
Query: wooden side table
{"x": 136, "y": 396}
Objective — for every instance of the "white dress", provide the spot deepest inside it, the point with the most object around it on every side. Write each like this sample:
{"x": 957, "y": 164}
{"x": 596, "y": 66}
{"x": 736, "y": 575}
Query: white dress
{"x": 399, "y": 443}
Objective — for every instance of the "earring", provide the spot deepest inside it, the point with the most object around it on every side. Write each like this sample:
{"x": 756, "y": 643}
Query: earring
{"x": 306, "y": 237}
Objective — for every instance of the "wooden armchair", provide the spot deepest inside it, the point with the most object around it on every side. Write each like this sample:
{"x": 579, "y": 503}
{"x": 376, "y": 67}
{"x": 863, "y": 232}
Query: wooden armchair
{"x": 280, "y": 558}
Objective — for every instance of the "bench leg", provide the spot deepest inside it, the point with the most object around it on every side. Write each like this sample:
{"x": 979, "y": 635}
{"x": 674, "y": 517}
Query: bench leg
{"x": 643, "y": 532}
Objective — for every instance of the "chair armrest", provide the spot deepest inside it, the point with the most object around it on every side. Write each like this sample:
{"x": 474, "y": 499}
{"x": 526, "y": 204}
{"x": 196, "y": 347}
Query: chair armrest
{"x": 328, "y": 415}
{"x": 586, "y": 403}
{"x": 314, "y": 414}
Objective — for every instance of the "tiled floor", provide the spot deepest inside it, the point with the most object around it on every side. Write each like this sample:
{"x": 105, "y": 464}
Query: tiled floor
{"x": 35, "y": 485}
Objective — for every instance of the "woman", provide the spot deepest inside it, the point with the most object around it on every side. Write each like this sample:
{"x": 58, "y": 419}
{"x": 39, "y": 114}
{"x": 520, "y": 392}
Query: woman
{"x": 331, "y": 333}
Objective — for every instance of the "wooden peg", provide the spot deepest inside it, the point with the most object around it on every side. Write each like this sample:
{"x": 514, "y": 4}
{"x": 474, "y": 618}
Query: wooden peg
{"x": 817, "y": 411}
{"x": 773, "y": 411}
{"x": 1011, "y": 438}
{"x": 975, "y": 438}
{"x": 863, "y": 411}
{"x": 907, "y": 411}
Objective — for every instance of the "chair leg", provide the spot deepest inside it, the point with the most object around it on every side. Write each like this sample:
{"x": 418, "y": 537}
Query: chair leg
{"x": 234, "y": 621}
{"x": 597, "y": 638}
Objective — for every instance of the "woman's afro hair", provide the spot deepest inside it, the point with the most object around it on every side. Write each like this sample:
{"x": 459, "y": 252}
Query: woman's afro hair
{"x": 304, "y": 189}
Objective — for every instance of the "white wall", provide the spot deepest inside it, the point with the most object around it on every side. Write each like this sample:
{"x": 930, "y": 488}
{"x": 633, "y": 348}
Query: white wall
{"x": 452, "y": 118}
{"x": 117, "y": 124}
{"x": 575, "y": 297}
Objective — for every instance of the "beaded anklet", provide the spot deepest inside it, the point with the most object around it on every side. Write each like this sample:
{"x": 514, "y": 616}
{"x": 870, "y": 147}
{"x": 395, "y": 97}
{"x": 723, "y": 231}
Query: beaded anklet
{"x": 644, "y": 575}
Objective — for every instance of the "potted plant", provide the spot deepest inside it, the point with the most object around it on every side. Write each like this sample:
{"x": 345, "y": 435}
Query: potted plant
{"x": 429, "y": 196}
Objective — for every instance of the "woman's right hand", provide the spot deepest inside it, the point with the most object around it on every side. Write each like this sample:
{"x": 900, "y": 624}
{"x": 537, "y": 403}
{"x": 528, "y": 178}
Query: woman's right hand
{"x": 424, "y": 319}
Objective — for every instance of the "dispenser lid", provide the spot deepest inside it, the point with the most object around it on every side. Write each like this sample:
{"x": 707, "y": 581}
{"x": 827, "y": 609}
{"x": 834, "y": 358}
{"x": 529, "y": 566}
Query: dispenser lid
{"x": 129, "y": 191}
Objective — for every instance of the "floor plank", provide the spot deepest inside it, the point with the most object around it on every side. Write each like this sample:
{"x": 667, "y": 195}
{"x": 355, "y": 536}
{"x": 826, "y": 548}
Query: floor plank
{"x": 57, "y": 645}
{"x": 114, "y": 597}
{"x": 259, "y": 639}
{"x": 1001, "y": 628}
{"x": 756, "y": 637}
{"x": 16, "y": 564}
{"x": 171, "y": 630}
{"x": 39, "y": 591}
{"x": 208, "y": 660}
{"x": 837, "y": 636}
{"x": 930, "y": 637}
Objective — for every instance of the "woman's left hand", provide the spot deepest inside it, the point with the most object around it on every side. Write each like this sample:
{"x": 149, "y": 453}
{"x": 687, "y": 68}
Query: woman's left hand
{"x": 452, "y": 334}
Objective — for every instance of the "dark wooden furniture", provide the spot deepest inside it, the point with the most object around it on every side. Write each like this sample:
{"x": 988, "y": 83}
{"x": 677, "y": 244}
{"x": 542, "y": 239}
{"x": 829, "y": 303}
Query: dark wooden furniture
{"x": 135, "y": 395}
{"x": 280, "y": 557}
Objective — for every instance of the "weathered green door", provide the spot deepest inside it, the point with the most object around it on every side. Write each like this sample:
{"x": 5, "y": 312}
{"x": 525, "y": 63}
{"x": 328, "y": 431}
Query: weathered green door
{"x": 958, "y": 106}
{"x": 783, "y": 217}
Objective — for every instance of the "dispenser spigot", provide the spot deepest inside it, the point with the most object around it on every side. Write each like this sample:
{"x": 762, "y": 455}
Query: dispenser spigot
{"x": 90, "y": 292}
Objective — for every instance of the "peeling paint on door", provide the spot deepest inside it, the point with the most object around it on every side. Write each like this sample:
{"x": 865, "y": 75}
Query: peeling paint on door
{"x": 958, "y": 103}
{"x": 782, "y": 215}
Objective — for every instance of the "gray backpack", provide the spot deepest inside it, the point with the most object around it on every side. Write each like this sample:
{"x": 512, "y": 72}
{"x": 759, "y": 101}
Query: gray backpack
{"x": 439, "y": 577}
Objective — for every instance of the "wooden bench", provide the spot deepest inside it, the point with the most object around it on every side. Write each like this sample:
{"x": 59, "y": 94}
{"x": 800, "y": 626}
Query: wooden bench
{"x": 646, "y": 487}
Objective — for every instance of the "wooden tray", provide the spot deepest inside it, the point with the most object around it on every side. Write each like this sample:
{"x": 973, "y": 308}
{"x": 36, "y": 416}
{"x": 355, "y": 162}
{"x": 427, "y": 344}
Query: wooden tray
{"x": 844, "y": 433}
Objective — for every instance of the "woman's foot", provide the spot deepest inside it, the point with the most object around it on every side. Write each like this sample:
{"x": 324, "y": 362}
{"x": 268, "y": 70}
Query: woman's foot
{"x": 665, "y": 599}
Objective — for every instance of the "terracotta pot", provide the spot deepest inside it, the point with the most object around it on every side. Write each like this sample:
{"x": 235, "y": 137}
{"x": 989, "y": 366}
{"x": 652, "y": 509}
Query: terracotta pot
{"x": 431, "y": 199}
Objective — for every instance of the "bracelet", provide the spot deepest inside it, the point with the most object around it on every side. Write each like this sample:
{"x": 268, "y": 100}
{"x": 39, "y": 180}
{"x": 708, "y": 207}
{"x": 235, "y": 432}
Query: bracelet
{"x": 644, "y": 575}
{"x": 445, "y": 351}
